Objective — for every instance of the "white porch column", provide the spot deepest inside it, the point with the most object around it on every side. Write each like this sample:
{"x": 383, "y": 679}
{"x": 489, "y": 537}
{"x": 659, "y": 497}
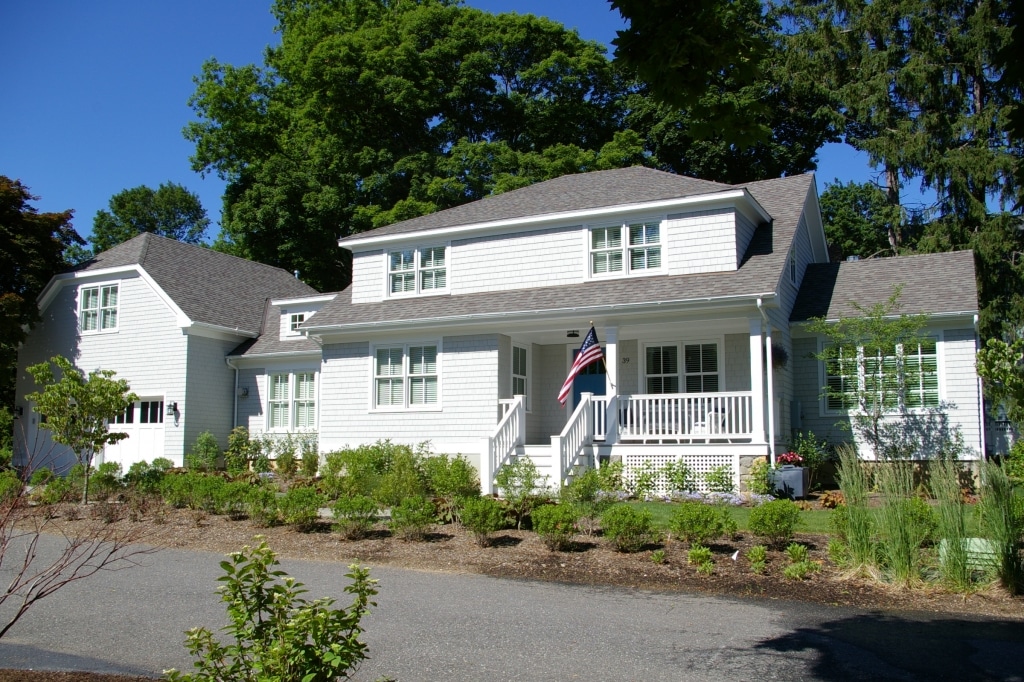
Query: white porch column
{"x": 611, "y": 359}
{"x": 770, "y": 383}
{"x": 757, "y": 380}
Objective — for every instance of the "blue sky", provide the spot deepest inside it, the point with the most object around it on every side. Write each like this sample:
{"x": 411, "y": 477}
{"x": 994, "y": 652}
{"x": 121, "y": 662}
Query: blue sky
{"x": 96, "y": 93}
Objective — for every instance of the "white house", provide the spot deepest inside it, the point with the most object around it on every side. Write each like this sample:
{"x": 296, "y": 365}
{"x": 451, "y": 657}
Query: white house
{"x": 459, "y": 328}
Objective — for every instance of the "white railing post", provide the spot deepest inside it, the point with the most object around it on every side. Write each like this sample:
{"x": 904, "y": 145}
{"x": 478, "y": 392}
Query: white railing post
{"x": 487, "y": 467}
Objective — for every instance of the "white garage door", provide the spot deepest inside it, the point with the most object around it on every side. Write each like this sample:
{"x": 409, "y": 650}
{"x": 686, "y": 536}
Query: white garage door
{"x": 144, "y": 424}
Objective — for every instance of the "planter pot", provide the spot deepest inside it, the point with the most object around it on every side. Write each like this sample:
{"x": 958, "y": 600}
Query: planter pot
{"x": 791, "y": 481}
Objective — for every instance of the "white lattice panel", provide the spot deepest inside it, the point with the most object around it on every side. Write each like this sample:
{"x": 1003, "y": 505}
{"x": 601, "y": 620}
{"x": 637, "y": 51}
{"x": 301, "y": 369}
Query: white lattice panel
{"x": 699, "y": 464}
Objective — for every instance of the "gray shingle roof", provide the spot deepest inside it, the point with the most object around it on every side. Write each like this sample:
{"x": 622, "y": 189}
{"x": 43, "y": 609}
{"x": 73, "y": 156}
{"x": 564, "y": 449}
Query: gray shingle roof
{"x": 209, "y": 286}
{"x": 760, "y": 272}
{"x": 270, "y": 342}
{"x": 932, "y": 283}
{"x": 577, "y": 192}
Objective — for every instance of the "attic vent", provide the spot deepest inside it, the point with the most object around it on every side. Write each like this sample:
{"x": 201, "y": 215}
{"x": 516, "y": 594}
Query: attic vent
{"x": 850, "y": 259}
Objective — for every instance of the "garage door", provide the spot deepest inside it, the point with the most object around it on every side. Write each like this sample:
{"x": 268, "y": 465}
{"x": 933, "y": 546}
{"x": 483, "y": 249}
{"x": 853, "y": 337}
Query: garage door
{"x": 144, "y": 424}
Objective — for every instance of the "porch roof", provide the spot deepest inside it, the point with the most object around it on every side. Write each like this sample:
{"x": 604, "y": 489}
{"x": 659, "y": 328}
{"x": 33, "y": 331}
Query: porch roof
{"x": 759, "y": 274}
{"x": 933, "y": 284}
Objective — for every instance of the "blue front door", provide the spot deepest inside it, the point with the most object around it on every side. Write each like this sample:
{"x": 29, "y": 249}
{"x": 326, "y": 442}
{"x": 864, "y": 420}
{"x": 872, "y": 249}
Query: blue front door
{"x": 590, "y": 380}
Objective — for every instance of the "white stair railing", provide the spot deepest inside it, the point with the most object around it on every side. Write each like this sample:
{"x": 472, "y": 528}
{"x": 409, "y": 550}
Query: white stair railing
{"x": 501, "y": 445}
{"x": 577, "y": 434}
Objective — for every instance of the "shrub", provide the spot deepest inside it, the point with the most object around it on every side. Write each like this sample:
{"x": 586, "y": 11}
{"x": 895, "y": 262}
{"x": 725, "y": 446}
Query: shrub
{"x": 757, "y": 553}
{"x": 451, "y": 480}
{"x": 800, "y": 570}
{"x": 645, "y": 481}
{"x": 240, "y": 451}
{"x": 204, "y": 492}
{"x": 275, "y": 634}
{"x": 402, "y": 479}
{"x": 261, "y": 506}
{"x": 796, "y": 552}
{"x": 310, "y": 455}
{"x": 519, "y": 483}
{"x": 629, "y": 529}
{"x": 697, "y": 523}
{"x": 412, "y": 519}
{"x": 285, "y": 463}
{"x": 774, "y": 521}
{"x": 679, "y": 477}
{"x": 354, "y": 516}
{"x": 41, "y": 476}
{"x": 719, "y": 479}
{"x": 698, "y": 554}
{"x": 300, "y": 507}
{"x": 357, "y": 471}
{"x": 107, "y": 480}
{"x": 814, "y": 454}
{"x": 760, "y": 481}
{"x": 231, "y": 499}
{"x": 162, "y": 464}
{"x": 585, "y": 493}
{"x": 205, "y": 453}
{"x": 10, "y": 486}
{"x": 610, "y": 474}
{"x": 483, "y": 516}
{"x": 556, "y": 525}
{"x": 143, "y": 478}
{"x": 176, "y": 490}
{"x": 658, "y": 556}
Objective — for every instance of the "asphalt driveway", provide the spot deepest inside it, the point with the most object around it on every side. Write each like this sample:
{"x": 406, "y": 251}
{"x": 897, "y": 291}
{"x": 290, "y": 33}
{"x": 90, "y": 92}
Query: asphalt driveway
{"x": 437, "y": 626}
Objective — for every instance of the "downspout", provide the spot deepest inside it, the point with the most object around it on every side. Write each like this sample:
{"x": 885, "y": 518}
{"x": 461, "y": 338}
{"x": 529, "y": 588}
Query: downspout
{"x": 770, "y": 393}
{"x": 235, "y": 396}
{"x": 981, "y": 395}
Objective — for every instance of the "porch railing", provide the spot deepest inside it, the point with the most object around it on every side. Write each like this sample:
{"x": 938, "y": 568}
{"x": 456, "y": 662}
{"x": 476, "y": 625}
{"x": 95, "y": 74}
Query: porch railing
{"x": 569, "y": 445}
{"x": 501, "y": 445}
{"x": 694, "y": 417}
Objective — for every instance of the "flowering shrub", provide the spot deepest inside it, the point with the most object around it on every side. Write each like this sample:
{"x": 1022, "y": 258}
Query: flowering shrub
{"x": 789, "y": 458}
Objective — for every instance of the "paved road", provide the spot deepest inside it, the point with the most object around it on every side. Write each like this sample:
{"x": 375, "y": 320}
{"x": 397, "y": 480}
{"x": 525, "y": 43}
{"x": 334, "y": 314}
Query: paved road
{"x": 435, "y": 626}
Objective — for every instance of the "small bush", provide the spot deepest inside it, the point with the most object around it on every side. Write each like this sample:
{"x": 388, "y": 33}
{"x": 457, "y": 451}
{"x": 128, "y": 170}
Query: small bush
{"x": 240, "y": 451}
{"x": 757, "y": 553}
{"x": 354, "y": 516}
{"x": 483, "y": 516}
{"x": 231, "y": 499}
{"x": 679, "y": 477}
{"x": 645, "y": 481}
{"x": 774, "y": 521}
{"x": 162, "y": 464}
{"x": 697, "y": 523}
{"x": 719, "y": 479}
{"x": 519, "y": 483}
{"x": 143, "y": 478}
{"x": 760, "y": 481}
{"x": 106, "y": 481}
{"x": 176, "y": 490}
{"x": 403, "y": 479}
{"x": 698, "y": 554}
{"x": 610, "y": 474}
{"x": 838, "y": 552}
{"x": 796, "y": 552}
{"x": 41, "y": 476}
{"x": 261, "y": 506}
{"x": 205, "y": 453}
{"x": 628, "y": 528}
{"x": 10, "y": 486}
{"x": 585, "y": 493}
{"x": 275, "y": 634}
{"x": 658, "y": 556}
{"x": 800, "y": 570}
{"x": 300, "y": 508}
{"x": 556, "y": 525}
{"x": 285, "y": 464}
{"x": 310, "y": 456}
{"x": 412, "y": 519}
{"x": 706, "y": 568}
{"x": 205, "y": 492}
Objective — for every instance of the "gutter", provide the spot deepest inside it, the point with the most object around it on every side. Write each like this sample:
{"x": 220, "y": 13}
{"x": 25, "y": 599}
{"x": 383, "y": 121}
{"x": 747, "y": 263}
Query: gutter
{"x": 981, "y": 397}
{"x": 234, "y": 397}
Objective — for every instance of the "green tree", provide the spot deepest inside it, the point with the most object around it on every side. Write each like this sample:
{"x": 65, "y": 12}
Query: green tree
{"x": 32, "y": 250}
{"x": 371, "y": 111}
{"x": 78, "y": 408}
{"x": 859, "y": 220}
{"x": 1001, "y": 365}
{"x": 169, "y": 211}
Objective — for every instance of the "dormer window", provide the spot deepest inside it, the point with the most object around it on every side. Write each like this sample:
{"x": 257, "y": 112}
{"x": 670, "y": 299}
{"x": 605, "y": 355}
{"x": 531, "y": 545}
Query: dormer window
{"x": 625, "y": 248}
{"x": 417, "y": 271}
{"x": 296, "y": 321}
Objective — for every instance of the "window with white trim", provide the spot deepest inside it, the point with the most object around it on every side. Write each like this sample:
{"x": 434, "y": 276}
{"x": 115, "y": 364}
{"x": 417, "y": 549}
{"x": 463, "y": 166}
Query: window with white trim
{"x": 625, "y": 248}
{"x": 98, "y": 308}
{"x": 296, "y": 321}
{"x": 405, "y": 376}
{"x": 291, "y": 401}
{"x": 662, "y": 368}
{"x": 905, "y": 377}
{"x": 417, "y": 271}
{"x": 520, "y": 369}
{"x": 700, "y": 367}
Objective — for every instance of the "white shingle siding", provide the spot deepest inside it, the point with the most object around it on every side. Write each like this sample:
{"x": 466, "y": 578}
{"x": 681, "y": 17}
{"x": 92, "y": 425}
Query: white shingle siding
{"x": 368, "y": 276}
{"x": 251, "y": 407}
{"x": 804, "y": 257}
{"x": 514, "y": 261}
{"x": 959, "y": 382}
{"x": 469, "y": 397}
{"x": 745, "y": 229}
{"x": 702, "y": 241}
{"x": 737, "y": 362}
{"x": 208, "y": 401}
{"x": 148, "y": 349}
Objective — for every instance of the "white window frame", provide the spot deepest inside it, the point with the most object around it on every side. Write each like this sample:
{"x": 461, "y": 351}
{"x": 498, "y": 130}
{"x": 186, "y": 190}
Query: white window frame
{"x": 296, "y": 320}
{"x": 645, "y": 372}
{"x": 99, "y": 288}
{"x": 526, "y": 377}
{"x": 625, "y": 249}
{"x": 418, "y": 269}
{"x": 405, "y": 377}
{"x": 681, "y": 374}
{"x": 901, "y": 404}
{"x": 292, "y": 400}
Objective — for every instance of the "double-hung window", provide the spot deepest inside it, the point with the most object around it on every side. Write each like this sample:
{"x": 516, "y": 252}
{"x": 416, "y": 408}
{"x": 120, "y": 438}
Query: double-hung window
{"x": 405, "y": 376}
{"x": 662, "y": 369}
{"x": 418, "y": 271}
{"x": 98, "y": 308}
{"x": 625, "y": 248}
{"x": 700, "y": 367}
{"x": 520, "y": 373}
{"x": 292, "y": 401}
{"x": 873, "y": 378}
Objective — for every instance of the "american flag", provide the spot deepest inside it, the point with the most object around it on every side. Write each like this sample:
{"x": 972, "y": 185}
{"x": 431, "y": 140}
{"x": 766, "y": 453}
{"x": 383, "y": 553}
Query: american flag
{"x": 590, "y": 352}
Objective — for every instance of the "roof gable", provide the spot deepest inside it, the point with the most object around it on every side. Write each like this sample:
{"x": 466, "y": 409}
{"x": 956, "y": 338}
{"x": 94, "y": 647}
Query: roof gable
{"x": 209, "y": 287}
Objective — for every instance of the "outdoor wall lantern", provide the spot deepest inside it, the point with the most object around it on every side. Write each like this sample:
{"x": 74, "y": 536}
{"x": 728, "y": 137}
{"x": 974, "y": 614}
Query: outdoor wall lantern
{"x": 172, "y": 409}
{"x": 243, "y": 392}
{"x": 572, "y": 334}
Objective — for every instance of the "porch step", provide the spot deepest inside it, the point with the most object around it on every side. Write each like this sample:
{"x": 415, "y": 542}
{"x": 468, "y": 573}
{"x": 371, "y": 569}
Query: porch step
{"x": 542, "y": 458}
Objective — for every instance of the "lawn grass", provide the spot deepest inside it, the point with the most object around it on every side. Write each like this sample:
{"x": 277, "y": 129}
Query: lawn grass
{"x": 813, "y": 521}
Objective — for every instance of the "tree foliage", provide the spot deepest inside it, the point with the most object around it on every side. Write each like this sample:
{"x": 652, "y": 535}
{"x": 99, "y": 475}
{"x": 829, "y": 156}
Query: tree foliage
{"x": 859, "y": 221}
{"x": 78, "y": 408}
{"x": 169, "y": 211}
{"x": 32, "y": 250}
{"x": 1001, "y": 365}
